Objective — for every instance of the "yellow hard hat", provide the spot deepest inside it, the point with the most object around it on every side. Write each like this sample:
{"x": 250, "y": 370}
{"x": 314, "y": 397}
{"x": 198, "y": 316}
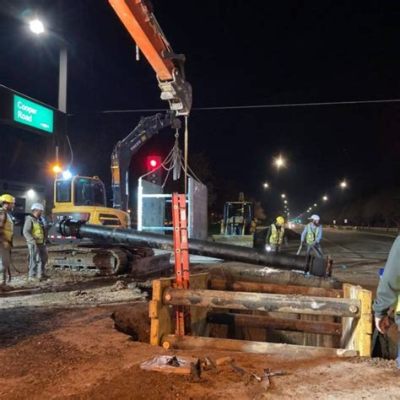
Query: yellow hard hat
{"x": 7, "y": 198}
{"x": 280, "y": 220}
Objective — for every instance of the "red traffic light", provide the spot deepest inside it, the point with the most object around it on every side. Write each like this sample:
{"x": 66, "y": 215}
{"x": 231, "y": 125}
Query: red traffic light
{"x": 153, "y": 162}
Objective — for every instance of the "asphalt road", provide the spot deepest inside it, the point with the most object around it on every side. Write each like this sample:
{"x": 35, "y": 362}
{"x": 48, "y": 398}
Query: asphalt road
{"x": 357, "y": 255}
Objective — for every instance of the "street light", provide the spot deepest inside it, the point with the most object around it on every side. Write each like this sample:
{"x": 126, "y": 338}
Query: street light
{"x": 325, "y": 198}
{"x": 285, "y": 201}
{"x": 315, "y": 204}
{"x": 31, "y": 194}
{"x": 266, "y": 185}
{"x": 283, "y": 195}
{"x": 279, "y": 162}
{"x": 67, "y": 174}
{"x": 36, "y": 26}
{"x": 343, "y": 184}
{"x": 56, "y": 168}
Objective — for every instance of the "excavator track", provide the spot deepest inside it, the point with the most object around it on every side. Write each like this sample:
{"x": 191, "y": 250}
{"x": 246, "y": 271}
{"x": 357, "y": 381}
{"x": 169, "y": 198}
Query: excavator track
{"x": 99, "y": 260}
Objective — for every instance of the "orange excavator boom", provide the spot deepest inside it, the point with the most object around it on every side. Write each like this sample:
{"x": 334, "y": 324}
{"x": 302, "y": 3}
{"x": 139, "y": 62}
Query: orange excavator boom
{"x": 138, "y": 18}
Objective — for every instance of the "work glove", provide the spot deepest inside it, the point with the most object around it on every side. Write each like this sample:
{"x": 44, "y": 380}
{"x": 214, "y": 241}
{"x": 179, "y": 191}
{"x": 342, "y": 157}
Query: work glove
{"x": 382, "y": 324}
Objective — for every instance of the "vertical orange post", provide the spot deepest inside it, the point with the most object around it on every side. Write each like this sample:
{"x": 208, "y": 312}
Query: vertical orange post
{"x": 181, "y": 252}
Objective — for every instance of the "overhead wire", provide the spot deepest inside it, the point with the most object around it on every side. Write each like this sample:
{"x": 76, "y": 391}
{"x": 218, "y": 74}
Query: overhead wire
{"x": 251, "y": 106}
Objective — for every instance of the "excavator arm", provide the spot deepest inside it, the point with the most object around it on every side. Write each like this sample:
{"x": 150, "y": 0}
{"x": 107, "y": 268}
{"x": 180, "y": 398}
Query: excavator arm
{"x": 126, "y": 148}
{"x": 138, "y": 18}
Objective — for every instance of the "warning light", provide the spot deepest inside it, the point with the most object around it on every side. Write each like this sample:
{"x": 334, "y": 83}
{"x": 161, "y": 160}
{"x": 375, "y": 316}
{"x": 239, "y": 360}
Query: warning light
{"x": 153, "y": 163}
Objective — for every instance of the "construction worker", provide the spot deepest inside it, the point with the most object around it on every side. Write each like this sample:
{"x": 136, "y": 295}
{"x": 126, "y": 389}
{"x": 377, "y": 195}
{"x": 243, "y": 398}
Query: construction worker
{"x": 276, "y": 235}
{"x": 312, "y": 236}
{"x": 35, "y": 235}
{"x": 7, "y": 203}
{"x": 388, "y": 295}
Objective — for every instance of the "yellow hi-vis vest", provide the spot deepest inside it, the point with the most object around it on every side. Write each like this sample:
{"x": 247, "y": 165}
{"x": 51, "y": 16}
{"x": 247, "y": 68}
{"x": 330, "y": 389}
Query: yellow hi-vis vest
{"x": 8, "y": 228}
{"x": 312, "y": 235}
{"x": 276, "y": 237}
{"x": 37, "y": 231}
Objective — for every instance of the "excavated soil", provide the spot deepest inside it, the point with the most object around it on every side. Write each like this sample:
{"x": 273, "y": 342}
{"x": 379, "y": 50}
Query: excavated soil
{"x": 78, "y": 354}
{"x": 95, "y": 352}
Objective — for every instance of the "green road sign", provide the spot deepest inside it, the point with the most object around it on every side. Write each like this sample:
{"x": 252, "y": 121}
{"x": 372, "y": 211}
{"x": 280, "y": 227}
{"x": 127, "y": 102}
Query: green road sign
{"x": 33, "y": 114}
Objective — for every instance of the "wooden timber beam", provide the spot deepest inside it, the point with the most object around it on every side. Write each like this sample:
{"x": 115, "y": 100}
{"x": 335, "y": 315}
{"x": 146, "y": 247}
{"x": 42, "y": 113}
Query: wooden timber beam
{"x": 267, "y": 322}
{"x": 197, "y": 342}
{"x": 242, "y": 286}
{"x": 263, "y": 302}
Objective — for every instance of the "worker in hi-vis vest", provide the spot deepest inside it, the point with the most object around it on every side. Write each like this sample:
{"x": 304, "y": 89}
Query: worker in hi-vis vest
{"x": 387, "y": 295}
{"x": 275, "y": 235}
{"x": 312, "y": 236}
{"x": 7, "y": 203}
{"x": 35, "y": 234}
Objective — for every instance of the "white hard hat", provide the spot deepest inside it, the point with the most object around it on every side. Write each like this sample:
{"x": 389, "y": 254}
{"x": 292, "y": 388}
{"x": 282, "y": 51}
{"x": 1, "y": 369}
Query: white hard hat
{"x": 315, "y": 217}
{"x": 37, "y": 206}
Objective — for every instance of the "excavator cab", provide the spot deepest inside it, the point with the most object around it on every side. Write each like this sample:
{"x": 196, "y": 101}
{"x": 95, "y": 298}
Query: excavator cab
{"x": 84, "y": 198}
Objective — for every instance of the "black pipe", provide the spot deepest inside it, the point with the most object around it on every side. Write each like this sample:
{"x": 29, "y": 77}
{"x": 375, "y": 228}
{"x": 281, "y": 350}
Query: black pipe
{"x": 317, "y": 266}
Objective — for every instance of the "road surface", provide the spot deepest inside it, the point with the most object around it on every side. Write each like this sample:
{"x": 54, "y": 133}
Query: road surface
{"x": 357, "y": 255}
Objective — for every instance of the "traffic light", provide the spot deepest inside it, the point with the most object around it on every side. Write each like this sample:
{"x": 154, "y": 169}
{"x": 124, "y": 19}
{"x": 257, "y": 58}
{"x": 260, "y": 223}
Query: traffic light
{"x": 153, "y": 165}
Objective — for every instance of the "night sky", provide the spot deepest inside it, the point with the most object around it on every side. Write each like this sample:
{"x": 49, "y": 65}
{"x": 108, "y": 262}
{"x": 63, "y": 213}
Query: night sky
{"x": 238, "y": 53}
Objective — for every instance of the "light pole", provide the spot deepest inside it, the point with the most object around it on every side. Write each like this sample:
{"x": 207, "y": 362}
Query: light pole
{"x": 37, "y": 27}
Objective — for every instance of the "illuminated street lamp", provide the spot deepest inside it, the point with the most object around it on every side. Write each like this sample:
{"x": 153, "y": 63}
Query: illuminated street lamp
{"x": 343, "y": 184}
{"x": 36, "y": 26}
{"x": 56, "y": 168}
{"x": 31, "y": 194}
{"x": 315, "y": 204}
{"x": 265, "y": 185}
{"x": 283, "y": 195}
{"x": 279, "y": 162}
{"x": 285, "y": 201}
{"x": 67, "y": 174}
{"x": 325, "y": 198}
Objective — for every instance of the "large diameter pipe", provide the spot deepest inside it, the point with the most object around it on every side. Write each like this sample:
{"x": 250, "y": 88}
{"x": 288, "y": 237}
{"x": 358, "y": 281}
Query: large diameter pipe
{"x": 317, "y": 266}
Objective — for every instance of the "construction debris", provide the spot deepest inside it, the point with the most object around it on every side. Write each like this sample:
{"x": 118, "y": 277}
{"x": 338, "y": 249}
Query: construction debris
{"x": 176, "y": 365}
